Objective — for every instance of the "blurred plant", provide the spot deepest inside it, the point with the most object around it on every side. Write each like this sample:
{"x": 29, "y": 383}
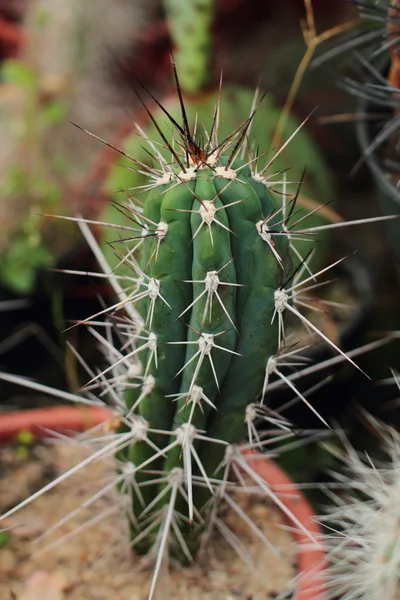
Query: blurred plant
{"x": 375, "y": 82}
{"x": 24, "y": 441}
{"x": 5, "y": 538}
{"x": 30, "y": 183}
{"x": 312, "y": 40}
{"x": 363, "y": 528}
{"x": 190, "y": 28}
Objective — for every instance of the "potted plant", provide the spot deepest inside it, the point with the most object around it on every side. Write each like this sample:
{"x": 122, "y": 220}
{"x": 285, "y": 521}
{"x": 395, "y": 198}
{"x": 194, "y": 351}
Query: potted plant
{"x": 196, "y": 333}
{"x": 209, "y": 265}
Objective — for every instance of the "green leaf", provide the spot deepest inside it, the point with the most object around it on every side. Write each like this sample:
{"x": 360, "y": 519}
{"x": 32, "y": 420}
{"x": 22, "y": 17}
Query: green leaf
{"x": 16, "y": 72}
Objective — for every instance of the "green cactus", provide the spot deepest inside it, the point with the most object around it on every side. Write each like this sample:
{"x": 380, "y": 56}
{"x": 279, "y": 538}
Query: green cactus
{"x": 212, "y": 271}
{"x": 190, "y": 28}
{"x": 211, "y": 268}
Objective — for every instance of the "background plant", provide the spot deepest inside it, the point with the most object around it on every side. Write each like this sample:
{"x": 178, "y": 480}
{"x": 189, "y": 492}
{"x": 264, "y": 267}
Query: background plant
{"x": 363, "y": 534}
{"x": 32, "y": 180}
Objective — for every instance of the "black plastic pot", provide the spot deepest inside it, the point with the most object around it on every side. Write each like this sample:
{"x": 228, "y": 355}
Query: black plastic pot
{"x": 388, "y": 194}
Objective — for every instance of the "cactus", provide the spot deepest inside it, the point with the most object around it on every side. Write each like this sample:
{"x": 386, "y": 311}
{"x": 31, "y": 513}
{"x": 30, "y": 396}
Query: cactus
{"x": 317, "y": 190}
{"x": 190, "y": 27}
{"x": 211, "y": 268}
{"x": 213, "y": 280}
{"x": 364, "y": 527}
{"x": 236, "y": 104}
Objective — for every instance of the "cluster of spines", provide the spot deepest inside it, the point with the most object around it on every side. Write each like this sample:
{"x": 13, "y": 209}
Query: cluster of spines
{"x": 363, "y": 525}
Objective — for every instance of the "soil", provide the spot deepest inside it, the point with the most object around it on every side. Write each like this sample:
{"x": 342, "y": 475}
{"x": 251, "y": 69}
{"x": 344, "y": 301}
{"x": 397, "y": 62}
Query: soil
{"x": 96, "y": 563}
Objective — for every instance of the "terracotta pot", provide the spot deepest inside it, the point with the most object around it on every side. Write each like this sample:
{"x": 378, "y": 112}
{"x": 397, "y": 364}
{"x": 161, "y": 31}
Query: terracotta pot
{"x": 310, "y": 561}
{"x": 41, "y": 421}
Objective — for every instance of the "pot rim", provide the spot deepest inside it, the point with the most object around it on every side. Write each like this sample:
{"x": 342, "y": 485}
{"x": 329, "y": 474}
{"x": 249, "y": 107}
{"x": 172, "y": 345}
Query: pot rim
{"x": 41, "y": 422}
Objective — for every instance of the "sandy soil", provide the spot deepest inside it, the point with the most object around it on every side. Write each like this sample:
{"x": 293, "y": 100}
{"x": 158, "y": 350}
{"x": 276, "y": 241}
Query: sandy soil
{"x": 96, "y": 563}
